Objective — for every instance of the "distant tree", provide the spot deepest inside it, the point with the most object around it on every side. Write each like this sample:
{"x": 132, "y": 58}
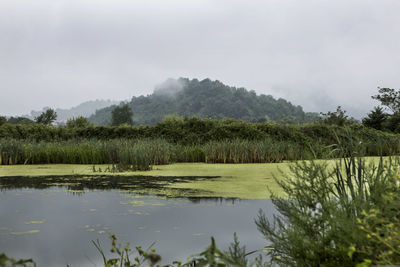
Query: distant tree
{"x": 19, "y": 120}
{"x": 389, "y": 98}
{"x": 337, "y": 117}
{"x": 287, "y": 120}
{"x": 2, "y": 120}
{"x": 47, "y": 117}
{"x": 78, "y": 122}
{"x": 375, "y": 119}
{"x": 121, "y": 115}
{"x": 392, "y": 123}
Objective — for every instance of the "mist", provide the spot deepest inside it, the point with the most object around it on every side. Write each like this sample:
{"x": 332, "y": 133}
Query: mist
{"x": 317, "y": 54}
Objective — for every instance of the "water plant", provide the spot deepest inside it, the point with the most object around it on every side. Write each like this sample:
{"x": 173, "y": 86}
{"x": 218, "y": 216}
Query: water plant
{"x": 6, "y": 261}
{"x": 319, "y": 221}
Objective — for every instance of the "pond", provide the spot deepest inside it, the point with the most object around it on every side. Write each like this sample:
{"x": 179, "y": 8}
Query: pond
{"x": 53, "y": 220}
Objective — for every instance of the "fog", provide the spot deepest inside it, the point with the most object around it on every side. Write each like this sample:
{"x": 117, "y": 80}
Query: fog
{"x": 318, "y": 54}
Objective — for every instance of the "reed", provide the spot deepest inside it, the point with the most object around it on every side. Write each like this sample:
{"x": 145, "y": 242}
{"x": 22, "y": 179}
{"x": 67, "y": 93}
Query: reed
{"x": 246, "y": 151}
{"x": 140, "y": 154}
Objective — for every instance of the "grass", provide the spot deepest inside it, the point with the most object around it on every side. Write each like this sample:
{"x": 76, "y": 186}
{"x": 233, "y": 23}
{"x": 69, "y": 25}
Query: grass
{"x": 140, "y": 154}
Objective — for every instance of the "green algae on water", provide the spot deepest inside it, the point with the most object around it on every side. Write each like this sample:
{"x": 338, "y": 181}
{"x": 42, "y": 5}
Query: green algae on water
{"x": 35, "y": 222}
{"x": 24, "y": 233}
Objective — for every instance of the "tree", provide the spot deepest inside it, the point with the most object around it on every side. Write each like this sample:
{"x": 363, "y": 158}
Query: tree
{"x": 338, "y": 117}
{"x": 2, "y": 120}
{"x": 122, "y": 115}
{"x": 78, "y": 122}
{"x": 389, "y": 98}
{"x": 375, "y": 119}
{"x": 19, "y": 120}
{"x": 47, "y": 117}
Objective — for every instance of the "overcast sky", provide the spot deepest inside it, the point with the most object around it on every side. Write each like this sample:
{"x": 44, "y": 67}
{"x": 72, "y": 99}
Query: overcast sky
{"x": 318, "y": 54}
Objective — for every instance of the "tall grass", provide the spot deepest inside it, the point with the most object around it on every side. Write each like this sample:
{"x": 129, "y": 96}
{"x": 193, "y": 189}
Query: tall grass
{"x": 246, "y": 151}
{"x": 140, "y": 154}
{"x": 127, "y": 152}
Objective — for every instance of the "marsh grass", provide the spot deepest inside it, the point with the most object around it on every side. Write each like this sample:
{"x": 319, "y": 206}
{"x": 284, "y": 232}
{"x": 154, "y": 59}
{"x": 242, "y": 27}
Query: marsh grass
{"x": 141, "y": 154}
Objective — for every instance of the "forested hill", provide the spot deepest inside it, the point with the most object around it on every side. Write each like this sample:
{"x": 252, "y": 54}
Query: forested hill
{"x": 207, "y": 99}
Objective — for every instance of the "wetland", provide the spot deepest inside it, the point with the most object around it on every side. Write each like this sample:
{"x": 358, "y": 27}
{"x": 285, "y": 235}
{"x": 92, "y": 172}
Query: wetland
{"x": 53, "y": 218}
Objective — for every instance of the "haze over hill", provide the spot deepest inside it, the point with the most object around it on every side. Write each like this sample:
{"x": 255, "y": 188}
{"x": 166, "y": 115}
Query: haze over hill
{"x": 206, "y": 99}
{"x": 84, "y": 109}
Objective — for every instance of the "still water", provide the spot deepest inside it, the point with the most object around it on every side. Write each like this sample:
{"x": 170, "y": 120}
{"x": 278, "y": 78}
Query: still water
{"x": 55, "y": 225}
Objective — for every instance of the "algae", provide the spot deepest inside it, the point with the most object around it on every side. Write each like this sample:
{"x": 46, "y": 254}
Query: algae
{"x": 35, "y": 222}
{"x": 191, "y": 180}
{"x": 24, "y": 233}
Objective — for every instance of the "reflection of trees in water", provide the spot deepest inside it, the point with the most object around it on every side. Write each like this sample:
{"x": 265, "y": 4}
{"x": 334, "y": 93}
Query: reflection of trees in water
{"x": 76, "y": 184}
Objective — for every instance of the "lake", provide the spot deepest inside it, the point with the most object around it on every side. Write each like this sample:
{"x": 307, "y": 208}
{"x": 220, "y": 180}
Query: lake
{"x": 54, "y": 222}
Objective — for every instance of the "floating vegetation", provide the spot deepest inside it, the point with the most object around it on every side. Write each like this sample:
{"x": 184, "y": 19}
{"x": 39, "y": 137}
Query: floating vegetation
{"x": 27, "y": 232}
{"x": 141, "y": 203}
{"x": 77, "y": 184}
{"x": 198, "y": 234}
{"x": 35, "y": 222}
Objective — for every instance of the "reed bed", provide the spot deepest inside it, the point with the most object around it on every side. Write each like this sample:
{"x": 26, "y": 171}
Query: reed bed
{"x": 138, "y": 154}
{"x": 141, "y": 154}
{"x": 246, "y": 151}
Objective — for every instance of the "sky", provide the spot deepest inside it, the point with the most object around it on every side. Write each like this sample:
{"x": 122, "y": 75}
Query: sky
{"x": 315, "y": 53}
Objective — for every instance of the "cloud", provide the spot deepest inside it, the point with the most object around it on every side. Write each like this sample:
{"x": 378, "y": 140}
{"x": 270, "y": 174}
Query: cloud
{"x": 60, "y": 53}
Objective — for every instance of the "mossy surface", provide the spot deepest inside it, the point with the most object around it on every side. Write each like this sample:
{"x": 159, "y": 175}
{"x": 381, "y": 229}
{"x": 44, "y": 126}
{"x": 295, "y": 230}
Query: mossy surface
{"x": 245, "y": 181}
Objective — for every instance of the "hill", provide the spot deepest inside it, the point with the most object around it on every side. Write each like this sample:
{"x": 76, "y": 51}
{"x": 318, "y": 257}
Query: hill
{"x": 84, "y": 109}
{"x": 207, "y": 99}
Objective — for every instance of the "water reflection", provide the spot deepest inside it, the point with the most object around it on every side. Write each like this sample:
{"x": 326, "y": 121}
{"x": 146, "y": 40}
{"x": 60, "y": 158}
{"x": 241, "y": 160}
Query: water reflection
{"x": 77, "y": 184}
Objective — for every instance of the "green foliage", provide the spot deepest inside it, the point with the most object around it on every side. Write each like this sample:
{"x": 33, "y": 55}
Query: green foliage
{"x": 47, "y": 117}
{"x": 381, "y": 226}
{"x": 375, "y": 119}
{"x": 121, "y": 115}
{"x": 392, "y": 123}
{"x": 193, "y": 131}
{"x": 78, "y": 122}
{"x": 207, "y": 99}
{"x": 141, "y": 154}
{"x": 123, "y": 255}
{"x": 2, "y": 120}
{"x": 212, "y": 256}
{"x": 19, "y": 120}
{"x": 245, "y": 151}
{"x": 183, "y": 140}
{"x": 6, "y": 261}
{"x": 389, "y": 98}
{"x": 337, "y": 117}
{"x": 236, "y": 256}
{"x": 318, "y": 220}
